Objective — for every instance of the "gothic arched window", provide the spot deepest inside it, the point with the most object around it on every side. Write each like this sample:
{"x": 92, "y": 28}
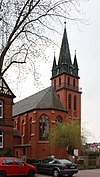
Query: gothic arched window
{"x": 30, "y": 125}
{"x": 43, "y": 128}
{"x": 68, "y": 80}
{"x": 75, "y": 103}
{"x": 23, "y": 128}
{"x": 69, "y": 101}
{"x": 15, "y": 123}
{"x": 55, "y": 84}
{"x": 74, "y": 82}
{"x": 59, "y": 80}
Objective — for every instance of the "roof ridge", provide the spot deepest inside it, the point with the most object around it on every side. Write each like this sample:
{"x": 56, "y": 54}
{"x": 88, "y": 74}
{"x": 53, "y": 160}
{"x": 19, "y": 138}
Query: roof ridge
{"x": 31, "y": 95}
{"x": 48, "y": 88}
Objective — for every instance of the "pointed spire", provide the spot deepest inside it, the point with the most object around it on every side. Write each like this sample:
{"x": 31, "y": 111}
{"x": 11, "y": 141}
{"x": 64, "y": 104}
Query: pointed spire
{"x": 54, "y": 67}
{"x": 75, "y": 65}
{"x": 64, "y": 63}
{"x": 64, "y": 57}
{"x": 54, "y": 62}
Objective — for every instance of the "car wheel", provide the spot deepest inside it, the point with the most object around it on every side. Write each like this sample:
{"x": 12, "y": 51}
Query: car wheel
{"x": 31, "y": 173}
{"x": 55, "y": 173}
{"x": 2, "y": 174}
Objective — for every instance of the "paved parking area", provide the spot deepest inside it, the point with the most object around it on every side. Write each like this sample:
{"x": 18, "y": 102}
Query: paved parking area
{"x": 81, "y": 173}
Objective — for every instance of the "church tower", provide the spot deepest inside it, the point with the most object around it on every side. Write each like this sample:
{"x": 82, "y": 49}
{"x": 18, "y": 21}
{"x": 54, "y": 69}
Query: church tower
{"x": 65, "y": 80}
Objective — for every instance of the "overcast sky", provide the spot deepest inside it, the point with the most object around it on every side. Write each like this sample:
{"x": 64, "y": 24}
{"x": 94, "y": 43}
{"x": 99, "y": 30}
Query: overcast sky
{"x": 86, "y": 41}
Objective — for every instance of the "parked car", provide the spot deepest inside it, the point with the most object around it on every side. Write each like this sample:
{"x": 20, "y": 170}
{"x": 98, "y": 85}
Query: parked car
{"x": 11, "y": 166}
{"x": 57, "y": 167}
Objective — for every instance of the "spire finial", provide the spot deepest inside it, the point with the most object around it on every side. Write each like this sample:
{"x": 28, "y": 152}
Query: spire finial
{"x": 54, "y": 54}
{"x": 65, "y": 23}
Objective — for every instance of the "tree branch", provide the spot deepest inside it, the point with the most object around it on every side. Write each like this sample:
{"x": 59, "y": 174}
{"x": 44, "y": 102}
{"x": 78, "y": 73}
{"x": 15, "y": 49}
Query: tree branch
{"x": 20, "y": 62}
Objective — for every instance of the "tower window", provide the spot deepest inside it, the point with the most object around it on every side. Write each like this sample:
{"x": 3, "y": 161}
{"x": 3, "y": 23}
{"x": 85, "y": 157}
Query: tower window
{"x": 69, "y": 101}
{"x": 1, "y": 139}
{"x": 74, "y": 82}
{"x": 43, "y": 128}
{"x": 75, "y": 103}
{"x": 55, "y": 84}
{"x": 1, "y": 109}
{"x": 68, "y": 81}
{"x": 60, "y": 81}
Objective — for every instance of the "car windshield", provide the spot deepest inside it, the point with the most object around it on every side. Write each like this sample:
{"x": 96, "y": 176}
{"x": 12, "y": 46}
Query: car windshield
{"x": 64, "y": 161}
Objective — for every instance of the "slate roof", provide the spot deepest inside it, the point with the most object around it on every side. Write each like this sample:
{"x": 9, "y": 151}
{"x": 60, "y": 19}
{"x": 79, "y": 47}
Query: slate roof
{"x": 64, "y": 57}
{"x": 45, "y": 99}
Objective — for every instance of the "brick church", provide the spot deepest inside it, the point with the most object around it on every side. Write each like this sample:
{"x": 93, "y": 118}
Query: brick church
{"x": 36, "y": 115}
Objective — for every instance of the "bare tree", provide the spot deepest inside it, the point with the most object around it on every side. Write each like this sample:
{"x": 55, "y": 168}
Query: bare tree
{"x": 24, "y": 28}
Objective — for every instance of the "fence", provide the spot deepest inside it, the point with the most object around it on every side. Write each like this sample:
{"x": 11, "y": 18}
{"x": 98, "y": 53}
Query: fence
{"x": 88, "y": 162}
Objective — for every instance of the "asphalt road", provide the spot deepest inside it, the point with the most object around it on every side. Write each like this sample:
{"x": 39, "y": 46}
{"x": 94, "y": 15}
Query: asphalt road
{"x": 81, "y": 173}
{"x": 88, "y": 173}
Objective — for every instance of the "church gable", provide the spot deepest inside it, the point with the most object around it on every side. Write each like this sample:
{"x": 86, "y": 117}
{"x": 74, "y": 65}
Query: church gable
{"x": 4, "y": 89}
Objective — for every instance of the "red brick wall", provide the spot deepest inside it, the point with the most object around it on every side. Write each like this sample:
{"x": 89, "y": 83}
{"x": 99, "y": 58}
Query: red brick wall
{"x": 64, "y": 90}
{"x": 6, "y": 124}
{"x": 38, "y": 149}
